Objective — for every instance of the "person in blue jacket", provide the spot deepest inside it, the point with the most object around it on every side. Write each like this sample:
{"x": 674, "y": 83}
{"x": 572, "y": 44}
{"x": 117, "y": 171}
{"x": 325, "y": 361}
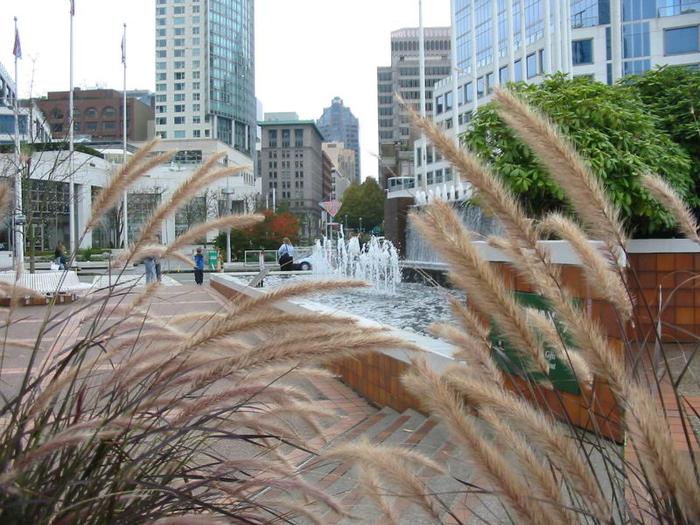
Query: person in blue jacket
{"x": 199, "y": 267}
{"x": 285, "y": 255}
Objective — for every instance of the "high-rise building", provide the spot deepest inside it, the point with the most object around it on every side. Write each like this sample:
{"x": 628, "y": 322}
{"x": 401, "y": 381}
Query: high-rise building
{"x": 338, "y": 124}
{"x": 296, "y": 174}
{"x": 343, "y": 161}
{"x": 205, "y": 71}
{"x": 396, "y": 136}
{"x": 600, "y": 39}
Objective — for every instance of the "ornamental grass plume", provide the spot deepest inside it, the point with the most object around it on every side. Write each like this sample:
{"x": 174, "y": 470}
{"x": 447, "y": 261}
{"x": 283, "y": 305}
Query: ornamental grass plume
{"x": 533, "y": 460}
{"x": 124, "y": 416}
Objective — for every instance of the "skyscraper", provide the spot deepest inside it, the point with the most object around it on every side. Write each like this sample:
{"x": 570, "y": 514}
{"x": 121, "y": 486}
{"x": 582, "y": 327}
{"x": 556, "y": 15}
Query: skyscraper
{"x": 338, "y": 124}
{"x": 205, "y": 71}
{"x": 396, "y": 137}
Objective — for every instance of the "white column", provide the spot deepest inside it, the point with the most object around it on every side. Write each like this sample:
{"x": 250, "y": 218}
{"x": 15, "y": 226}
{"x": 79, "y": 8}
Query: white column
{"x": 494, "y": 43}
{"x": 547, "y": 66}
{"x": 84, "y": 193}
{"x": 455, "y": 74}
{"x": 475, "y": 68}
{"x": 511, "y": 41}
{"x": 523, "y": 42}
{"x": 557, "y": 44}
{"x": 616, "y": 39}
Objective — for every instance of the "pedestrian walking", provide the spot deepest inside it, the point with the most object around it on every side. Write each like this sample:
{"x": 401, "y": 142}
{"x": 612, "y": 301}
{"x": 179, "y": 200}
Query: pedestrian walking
{"x": 149, "y": 267}
{"x": 285, "y": 255}
{"x": 199, "y": 266}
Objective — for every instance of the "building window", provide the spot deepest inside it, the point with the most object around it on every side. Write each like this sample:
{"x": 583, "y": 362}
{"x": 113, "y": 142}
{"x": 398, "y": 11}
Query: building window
{"x": 196, "y": 108}
{"x": 179, "y": 31}
{"x": 161, "y": 65}
{"x": 178, "y": 120}
{"x": 179, "y": 97}
{"x": 161, "y": 98}
{"x": 439, "y": 105}
{"x": 179, "y": 42}
{"x": 161, "y": 32}
{"x": 161, "y": 53}
{"x": 448, "y": 101}
{"x": 162, "y": 121}
{"x": 518, "y": 71}
{"x": 161, "y": 76}
{"x": 195, "y": 85}
{"x": 109, "y": 112}
{"x": 680, "y": 40}
{"x": 180, "y": 75}
{"x": 91, "y": 126}
{"x": 161, "y": 87}
{"x": 179, "y": 134}
{"x": 272, "y": 138}
{"x": 636, "y": 67}
{"x": 635, "y": 40}
{"x": 90, "y": 113}
{"x": 161, "y": 109}
{"x": 179, "y": 10}
{"x": 489, "y": 82}
{"x": 161, "y": 43}
{"x": 179, "y": 64}
{"x": 179, "y": 86}
{"x": 179, "y": 53}
{"x": 298, "y": 138}
{"x": 286, "y": 134}
{"x": 582, "y": 51}
{"x": 179, "y": 20}
{"x": 179, "y": 108}
{"x": 195, "y": 97}
{"x": 109, "y": 125}
{"x": 503, "y": 75}
{"x": 531, "y": 65}
{"x": 196, "y": 120}
{"x": 196, "y": 133}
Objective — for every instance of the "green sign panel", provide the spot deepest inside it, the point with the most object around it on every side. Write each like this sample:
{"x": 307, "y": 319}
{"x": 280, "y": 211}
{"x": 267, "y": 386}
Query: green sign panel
{"x": 511, "y": 361}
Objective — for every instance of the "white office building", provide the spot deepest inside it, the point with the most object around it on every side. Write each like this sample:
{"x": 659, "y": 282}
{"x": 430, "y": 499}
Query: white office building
{"x": 601, "y": 39}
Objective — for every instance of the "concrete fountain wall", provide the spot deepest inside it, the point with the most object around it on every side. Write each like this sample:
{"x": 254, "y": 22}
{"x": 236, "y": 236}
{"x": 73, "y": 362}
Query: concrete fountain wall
{"x": 377, "y": 376}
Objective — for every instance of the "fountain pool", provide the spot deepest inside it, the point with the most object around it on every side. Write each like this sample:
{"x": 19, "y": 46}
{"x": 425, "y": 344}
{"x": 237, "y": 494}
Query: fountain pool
{"x": 411, "y": 306}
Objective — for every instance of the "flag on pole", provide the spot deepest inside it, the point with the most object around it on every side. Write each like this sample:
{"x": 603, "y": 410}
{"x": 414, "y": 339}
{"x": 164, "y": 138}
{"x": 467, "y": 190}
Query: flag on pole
{"x": 124, "y": 48}
{"x": 72, "y": 7}
{"x": 17, "y": 49}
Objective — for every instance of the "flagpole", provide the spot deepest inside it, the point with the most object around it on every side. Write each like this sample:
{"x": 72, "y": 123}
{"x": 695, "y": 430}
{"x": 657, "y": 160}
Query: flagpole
{"x": 125, "y": 233}
{"x": 71, "y": 186}
{"x": 19, "y": 228}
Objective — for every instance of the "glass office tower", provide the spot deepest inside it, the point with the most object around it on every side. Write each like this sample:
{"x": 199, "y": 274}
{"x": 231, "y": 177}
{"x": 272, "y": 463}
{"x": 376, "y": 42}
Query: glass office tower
{"x": 205, "y": 71}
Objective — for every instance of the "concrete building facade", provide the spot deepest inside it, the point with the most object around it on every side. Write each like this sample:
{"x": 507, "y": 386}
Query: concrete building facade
{"x": 296, "y": 174}
{"x": 338, "y": 124}
{"x": 205, "y": 71}
{"x": 396, "y": 137}
{"x": 600, "y": 39}
{"x": 343, "y": 164}
{"x": 97, "y": 115}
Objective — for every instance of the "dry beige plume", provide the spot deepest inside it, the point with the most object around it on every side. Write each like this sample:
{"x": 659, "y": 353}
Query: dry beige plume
{"x": 226, "y": 222}
{"x": 445, "y": 231}
{"x": 541, "y": 429}
{"x": 127, "y": 174}
{"x": 443, "y": 402}
{"x": 394, "y": 464}
{"x": 668, "y": 197}
{"x": 667, "y": 467}
{"x": 602, "y": 274}
{"x": 567, "y": 168}
{"x": 491, "y": 192}
{"x": 184, "y": 193}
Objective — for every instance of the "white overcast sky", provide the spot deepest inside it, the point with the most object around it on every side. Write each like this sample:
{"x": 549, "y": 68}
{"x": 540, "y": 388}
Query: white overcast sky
{"x": 307, "y": 51}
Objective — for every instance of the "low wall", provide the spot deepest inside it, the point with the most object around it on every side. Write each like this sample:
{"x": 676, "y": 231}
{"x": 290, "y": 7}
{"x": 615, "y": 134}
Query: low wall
{"x": 377, "y": 376}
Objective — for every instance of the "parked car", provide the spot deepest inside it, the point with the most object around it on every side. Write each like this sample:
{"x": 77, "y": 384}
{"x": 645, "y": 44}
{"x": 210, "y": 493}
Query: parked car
{"x": 304, "y": 264}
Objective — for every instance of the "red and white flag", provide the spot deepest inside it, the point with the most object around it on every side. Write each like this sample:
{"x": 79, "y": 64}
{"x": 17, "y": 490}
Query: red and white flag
{"x": 72, "y": 7}
{"x": 17, "y": 49}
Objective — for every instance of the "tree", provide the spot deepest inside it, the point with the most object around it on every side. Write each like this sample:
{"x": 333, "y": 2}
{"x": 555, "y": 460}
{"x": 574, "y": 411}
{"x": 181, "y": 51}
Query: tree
{"x": 266, "y": 235}
{"x": 672, "y": 94}
{"x": 611, "y": 130}
{"x": 364, "y": 200}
